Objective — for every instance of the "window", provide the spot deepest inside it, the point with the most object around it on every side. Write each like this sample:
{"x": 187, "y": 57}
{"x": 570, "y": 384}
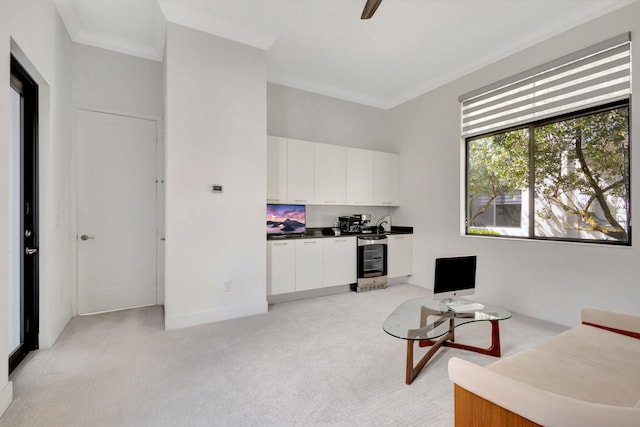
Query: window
{"x": 556, "y": 172}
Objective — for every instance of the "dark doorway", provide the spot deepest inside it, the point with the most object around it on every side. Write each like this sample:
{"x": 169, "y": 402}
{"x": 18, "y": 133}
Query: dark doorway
{"x": 23, "y": 216}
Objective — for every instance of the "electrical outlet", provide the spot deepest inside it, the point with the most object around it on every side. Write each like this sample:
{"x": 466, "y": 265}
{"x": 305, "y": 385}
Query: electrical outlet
{"x": 227, "y": 286}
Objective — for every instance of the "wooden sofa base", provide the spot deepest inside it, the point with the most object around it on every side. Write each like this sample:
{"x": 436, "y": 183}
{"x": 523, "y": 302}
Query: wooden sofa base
{"x": 471, "y": 410}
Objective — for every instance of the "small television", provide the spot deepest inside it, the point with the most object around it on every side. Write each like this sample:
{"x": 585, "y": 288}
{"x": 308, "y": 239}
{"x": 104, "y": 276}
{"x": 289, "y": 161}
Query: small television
{"x": 285, "y": 219}
{"x": 454, "y": 277}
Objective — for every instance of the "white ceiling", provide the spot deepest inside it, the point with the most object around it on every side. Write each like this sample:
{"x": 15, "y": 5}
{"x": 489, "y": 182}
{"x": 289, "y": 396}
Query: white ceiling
{"x": 408, "y": 48}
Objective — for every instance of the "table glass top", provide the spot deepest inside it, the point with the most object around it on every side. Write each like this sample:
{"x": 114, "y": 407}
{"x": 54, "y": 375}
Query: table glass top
{"x": 424, "y": 318}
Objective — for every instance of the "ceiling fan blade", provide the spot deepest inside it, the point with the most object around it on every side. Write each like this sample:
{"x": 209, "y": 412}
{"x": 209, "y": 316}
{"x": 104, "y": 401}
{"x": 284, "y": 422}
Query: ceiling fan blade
{"x": 370, "y": 8}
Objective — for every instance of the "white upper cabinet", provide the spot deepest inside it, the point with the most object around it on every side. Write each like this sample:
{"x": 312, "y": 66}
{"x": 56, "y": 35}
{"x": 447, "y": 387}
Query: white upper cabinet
{"x": 329, "y": 166}
{"x": 386, "y": 185}
{"x": 359, "y": 171}
{"x": 300, "y": 172}
{"x": 310, "y": 173}
{"x": 276, "y": 169}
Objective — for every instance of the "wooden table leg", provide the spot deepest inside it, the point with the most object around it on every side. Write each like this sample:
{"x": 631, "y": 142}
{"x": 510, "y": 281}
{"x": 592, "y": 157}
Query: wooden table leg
{"x": 493, "y": 350}
{"x": 413, "y": 371}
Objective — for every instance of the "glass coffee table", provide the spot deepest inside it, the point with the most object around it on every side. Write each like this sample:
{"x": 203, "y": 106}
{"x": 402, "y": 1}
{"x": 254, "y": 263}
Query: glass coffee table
{"x": 431, "y": 323}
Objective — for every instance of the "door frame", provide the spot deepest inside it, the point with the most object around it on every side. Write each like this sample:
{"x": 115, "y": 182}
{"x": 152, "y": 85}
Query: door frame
{"x": 160, "y": 188}
{"x": 22, "y": 82}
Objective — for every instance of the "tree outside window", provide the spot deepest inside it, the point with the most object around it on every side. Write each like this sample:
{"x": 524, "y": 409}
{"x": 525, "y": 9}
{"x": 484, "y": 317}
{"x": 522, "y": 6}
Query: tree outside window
{"x": 579, "y": 188}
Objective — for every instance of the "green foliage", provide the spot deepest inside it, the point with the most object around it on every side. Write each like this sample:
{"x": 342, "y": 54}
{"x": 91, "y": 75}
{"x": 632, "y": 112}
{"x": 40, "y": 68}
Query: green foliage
{"x": 581, "y": 166}
{"x": 482, "y": 232}
{"x": 497, "y": 165}
{"x": 581, "y": 169}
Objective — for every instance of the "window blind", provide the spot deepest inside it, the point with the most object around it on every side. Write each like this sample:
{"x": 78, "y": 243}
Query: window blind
{"x": 593, "y": 76}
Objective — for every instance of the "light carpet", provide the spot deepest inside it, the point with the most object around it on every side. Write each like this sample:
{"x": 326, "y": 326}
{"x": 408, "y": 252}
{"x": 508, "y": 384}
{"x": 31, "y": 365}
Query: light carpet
{"x": 322, "y": 361}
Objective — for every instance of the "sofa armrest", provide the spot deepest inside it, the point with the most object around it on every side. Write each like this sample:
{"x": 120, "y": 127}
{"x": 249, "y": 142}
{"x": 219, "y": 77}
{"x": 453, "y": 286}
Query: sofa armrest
{"x": 537, "y": 405}
{"x": 610, "y": 320}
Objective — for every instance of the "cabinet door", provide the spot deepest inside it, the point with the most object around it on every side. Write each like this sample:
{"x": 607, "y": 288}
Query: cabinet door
{"x": 329, "y": 166}
{"x": 276, "y": 169}
{"x": 281, "y": 267}
{"x": 309, "y": 264}
{"x": 300, "y": 171}
{"x": 400, "y": 253}
{"x": 359, "y": 177}
{"x": 385, "y": 179}
{"x": 340, "y": 261}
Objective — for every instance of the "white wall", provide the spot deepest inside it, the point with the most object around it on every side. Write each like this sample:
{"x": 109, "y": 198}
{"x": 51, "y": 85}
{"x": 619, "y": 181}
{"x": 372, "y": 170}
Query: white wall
{"x": 42, "y": 43}
{"x": 548, "y": 280}
{"x": 111, "y": 80}
{"x": 215, "y": 134}
{"x": 297, "y": 114}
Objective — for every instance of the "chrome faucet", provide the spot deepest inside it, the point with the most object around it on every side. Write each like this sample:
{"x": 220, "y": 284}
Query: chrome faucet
{"x": 379, "y": 224}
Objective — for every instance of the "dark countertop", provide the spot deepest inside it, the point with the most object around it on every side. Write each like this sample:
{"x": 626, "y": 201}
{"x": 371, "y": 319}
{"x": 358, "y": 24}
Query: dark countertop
{"x": 321, "y": 232}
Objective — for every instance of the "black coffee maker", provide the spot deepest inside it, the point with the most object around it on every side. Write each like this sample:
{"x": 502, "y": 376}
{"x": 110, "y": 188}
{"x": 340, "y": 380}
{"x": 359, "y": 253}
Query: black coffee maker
{"x": 350, "y": 224}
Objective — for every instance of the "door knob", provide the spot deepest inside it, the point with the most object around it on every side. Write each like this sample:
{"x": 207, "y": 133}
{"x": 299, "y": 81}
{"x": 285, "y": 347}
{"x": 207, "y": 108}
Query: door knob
{"x": 85, "y": 237}
{"x": 30, "y": 251}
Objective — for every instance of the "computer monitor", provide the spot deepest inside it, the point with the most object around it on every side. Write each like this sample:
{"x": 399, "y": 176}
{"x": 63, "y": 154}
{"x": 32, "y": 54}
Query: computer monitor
{"x": 454, "y": 277}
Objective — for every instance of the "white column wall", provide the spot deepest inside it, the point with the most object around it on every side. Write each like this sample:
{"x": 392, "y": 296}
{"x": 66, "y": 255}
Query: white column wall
{"x": 549, "y": 280}
{"x": 215, "y": 134}
{"x": 42, "y": 43}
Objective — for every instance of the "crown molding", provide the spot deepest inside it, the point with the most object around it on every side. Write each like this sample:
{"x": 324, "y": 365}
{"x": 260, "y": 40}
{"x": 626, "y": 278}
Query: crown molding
{"x": 154, "y": 51}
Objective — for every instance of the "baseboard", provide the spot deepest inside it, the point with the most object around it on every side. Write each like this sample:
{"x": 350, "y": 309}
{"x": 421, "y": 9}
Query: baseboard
{"x": 324, "y": 292}
{"x": 48, "y": 338}
{"x": 311, "y": 293}
{"x": 204, "y": 317}
{"x": 6, "y": 397}
{"x": 400, "y": 280}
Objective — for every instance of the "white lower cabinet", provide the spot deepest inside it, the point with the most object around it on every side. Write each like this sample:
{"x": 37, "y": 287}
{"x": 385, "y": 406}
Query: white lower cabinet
{"x": 340, "y": 261}
{"x": 281, "y": 267}
{"x": 304, "y": 264}
{"x": 400, "y": 255}
{"x": 309, "y": 264}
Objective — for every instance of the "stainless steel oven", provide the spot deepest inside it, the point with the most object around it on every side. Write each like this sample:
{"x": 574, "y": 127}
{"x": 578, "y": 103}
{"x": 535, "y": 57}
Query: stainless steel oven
{"x": 372, "y": 263}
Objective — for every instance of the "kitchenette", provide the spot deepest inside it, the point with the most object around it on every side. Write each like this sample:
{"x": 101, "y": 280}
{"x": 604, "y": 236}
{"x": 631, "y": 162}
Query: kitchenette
{"x": 311, "y": 252}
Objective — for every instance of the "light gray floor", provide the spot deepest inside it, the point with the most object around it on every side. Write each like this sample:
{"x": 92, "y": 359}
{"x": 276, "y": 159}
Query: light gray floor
{"x": 322, "y": 361}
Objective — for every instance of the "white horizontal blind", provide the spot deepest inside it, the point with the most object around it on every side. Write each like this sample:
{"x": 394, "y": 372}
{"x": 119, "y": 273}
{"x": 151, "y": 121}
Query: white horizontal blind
{"x": 593, "y": 76}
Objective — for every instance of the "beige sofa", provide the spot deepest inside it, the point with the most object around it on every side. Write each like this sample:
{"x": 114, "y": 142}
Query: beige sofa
{"x": 586, "y": 376}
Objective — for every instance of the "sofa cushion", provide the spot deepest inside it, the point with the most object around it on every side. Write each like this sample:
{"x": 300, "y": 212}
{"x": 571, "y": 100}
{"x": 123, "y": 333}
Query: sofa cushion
{"x": 585, "y": 363}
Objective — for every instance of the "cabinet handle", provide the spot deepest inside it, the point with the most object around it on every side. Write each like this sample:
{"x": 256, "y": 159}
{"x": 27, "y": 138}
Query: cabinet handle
{"x": 329, "y": 201}
{"x": 302, "y": 201}
{"x": 310, "y": 243}
{"x": 280, "y": 244}
{"x": 341, "y": 240}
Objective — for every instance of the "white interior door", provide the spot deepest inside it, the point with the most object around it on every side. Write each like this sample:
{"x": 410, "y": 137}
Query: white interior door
{"x": 117, "y": 221}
